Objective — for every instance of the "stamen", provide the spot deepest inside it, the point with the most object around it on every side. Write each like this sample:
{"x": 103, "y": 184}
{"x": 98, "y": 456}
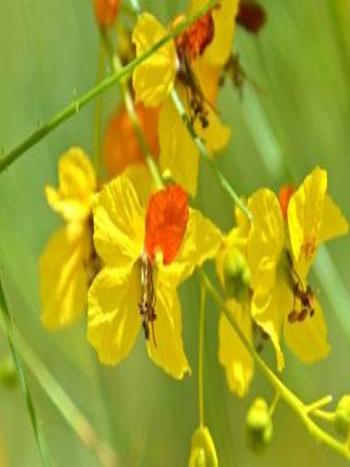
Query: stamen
{"x": 147, "y": 300}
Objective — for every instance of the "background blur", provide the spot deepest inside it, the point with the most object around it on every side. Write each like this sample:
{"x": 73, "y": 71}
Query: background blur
{"x": 294, "y": 113}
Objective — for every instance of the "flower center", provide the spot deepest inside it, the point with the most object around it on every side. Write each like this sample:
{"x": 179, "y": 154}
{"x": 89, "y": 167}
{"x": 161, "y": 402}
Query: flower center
{"x": 147, "y": 300}
{"x": 193, "y": 42}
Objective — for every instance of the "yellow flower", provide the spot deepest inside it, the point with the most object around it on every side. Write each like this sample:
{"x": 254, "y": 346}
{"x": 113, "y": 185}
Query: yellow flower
{"x": 280, "y": 257}
{"x": 231, "y": 268}
{"x": 65, "y": 265}
{"x": 203, "y": 452}
{"x": 147, "y": 253}
{"x": 192, "y": 63}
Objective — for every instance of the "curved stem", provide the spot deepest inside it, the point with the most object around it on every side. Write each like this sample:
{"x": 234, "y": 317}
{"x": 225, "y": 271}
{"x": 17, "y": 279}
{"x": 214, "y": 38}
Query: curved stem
{"x": 285, "y": 393}
{"x": 98, "y": 112}
{"x": 201, "y": 354}
{"x": 8, "y": 329}
{"x": 75, "y": 106}
{"x": 130, "y": 108}
{"x": 203, "y": 151}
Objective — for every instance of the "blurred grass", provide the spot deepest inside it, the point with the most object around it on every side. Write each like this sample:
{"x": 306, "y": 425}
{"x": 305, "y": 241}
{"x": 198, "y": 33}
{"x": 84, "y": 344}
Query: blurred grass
{"x": 294, "y": 114}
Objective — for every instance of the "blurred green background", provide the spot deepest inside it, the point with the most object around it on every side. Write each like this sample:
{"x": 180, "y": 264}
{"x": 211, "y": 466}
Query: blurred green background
{"x": 294, "y": 113}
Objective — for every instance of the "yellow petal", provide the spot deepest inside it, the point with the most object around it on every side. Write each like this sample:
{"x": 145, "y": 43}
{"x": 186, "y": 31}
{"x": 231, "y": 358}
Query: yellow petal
{"x": 207, "y": 76}
{"x": 113, "y": 315}
{"x": 308, "y": 339}
{"x": 200, "y": 243}
{"x": 265, "y": 241}
{"x": 63, "y": 278}
{"x": 154, "y": 78}
{"x": 219, "y": 50}
{"x": 270, "y": 312}
{"x": 333, "y": 223}
{"x": 165, "y": 348}
{"x": 234, "y": 357}
{"x": 141, "y": 180}
{"x": 118, "y": 223}
{"x": 305, "y": 214}
{"x": 178, "y": 153}
{"x": 215, "y": 135}
{"x": 77, "y": 183}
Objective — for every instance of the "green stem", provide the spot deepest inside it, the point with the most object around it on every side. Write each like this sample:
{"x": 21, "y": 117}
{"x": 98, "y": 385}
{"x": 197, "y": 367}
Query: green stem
{"x": 202, "y": 149}
{"x": 60, "y": 399}
{"x": 130, "y": 108}
{"x": 7, "y": 325}
{"x": 98, "y": 112}
{"x": 78, "y": 103}
{"x": 285, "y": 393}
{"x": 201, "y": 354}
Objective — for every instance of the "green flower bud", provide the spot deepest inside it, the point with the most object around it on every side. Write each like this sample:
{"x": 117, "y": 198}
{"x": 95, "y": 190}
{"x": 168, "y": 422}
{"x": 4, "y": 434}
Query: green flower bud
{"x": 259, "y": 426}
{"x": 8, "y": 373}
{"x": 203, "y": 453}
{"x": 237, "y": 275}
{"x": 342, "y": 416}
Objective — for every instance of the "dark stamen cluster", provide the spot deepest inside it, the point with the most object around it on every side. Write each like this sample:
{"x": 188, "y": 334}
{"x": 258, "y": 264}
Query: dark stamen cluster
{"x": 147, "y": 300}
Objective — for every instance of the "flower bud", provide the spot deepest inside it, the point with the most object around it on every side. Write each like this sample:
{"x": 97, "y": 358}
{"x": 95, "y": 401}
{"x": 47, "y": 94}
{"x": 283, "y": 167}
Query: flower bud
{"x": 203, "y": 453}
{"x": 259, "y": 426}
{"x": 8, "y": 373}
{"x": 237, "y": 275}
{"x": 342, "y": 416}
{"x": 106, "y": 12}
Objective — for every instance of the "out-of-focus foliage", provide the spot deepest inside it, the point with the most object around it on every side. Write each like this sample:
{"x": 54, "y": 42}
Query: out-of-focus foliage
{"x": 293, "y": 114}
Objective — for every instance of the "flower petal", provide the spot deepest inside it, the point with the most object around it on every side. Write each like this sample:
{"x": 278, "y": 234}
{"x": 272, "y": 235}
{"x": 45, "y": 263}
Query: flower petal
{"x": 167, "y": 350}
{"x": 234, "y": 357}
{"x": 265, "y": 241}
{"x": 270, "y": 312}
{"x": 118, "y": 223}
{"x": 308, "y": 339}
{"x": 207, "y": 76}
{"x": 215, "y": 135}
{"x": 201, "y": 242}
{"x": 63, "y": 278}
{"x": 77, "y": 183}
{"x": 305, "y": 214}
{"x": 333, "y": 223}
{"x": 153, "y": 79}
{"x": 218, "y": 51}
{"x": 178, "y": 153}
{"x": 113, "y": 316}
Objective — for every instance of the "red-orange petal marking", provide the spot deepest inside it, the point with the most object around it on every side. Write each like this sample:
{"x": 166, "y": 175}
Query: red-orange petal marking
{"x": 106, "y": 11}
{"x": 166, "y": 221}
{"x": 284, "y": 196}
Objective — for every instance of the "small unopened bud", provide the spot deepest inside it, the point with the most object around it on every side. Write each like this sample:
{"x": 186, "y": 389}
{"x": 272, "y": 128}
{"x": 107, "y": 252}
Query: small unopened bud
{"x": 259, "y": 426}
{"x": 203, "y": 453}
{"x": 8, "y": 373}
{"x": 342, "y": 416}
{"x": 237, "y": 275}
{"x": 106, "y": 12}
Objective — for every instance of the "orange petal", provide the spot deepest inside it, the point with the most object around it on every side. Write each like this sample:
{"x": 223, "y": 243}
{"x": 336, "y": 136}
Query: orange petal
{"x": 121, "y": 148}
{"x": 284, "y": 196}
{"x": 166, "y": 222}
{"x": 106, "y": 11}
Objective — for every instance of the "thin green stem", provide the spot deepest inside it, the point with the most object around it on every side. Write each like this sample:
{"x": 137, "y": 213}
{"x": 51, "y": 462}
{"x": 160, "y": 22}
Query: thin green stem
{"x": 274, "y": 403}
{"x": 324, "y": 415}
{"x": 130, "y": 108}
{"x": 203, "y": 151}
{"x": 98, "y": 111}
{"x": 285, "y": 393}
{"x": 61, "y": 400}
{"x": 78, "y": 103}
{"x": 319, "y": 404}
{"x": 201, "y": 354}
{"x": 7, "y": 325}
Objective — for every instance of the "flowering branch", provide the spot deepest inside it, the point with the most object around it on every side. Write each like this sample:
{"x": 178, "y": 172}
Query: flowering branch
{"x": 302, "y": 410}
{"x": 75, "y": 106}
